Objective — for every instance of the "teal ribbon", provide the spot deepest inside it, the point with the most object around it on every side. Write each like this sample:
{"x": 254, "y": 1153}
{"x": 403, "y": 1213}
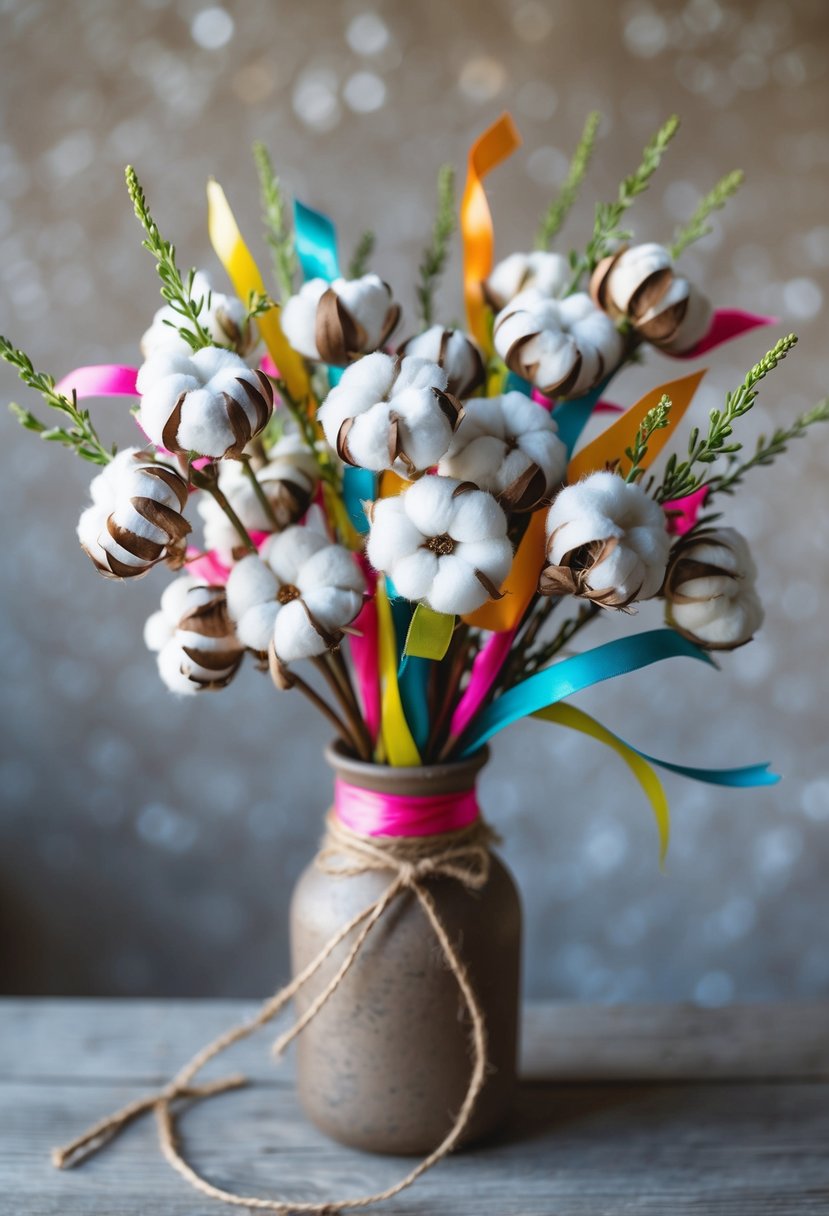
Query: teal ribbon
{"x": 571, "y": 417}
{"x": 582, "y": 671}
{"x": 517, "y": 384}
{"x": 316, "y": 243}
{"x": 750, "y": 775}
{"x": 412, "y": 673}
{"x": 359, "y": 486}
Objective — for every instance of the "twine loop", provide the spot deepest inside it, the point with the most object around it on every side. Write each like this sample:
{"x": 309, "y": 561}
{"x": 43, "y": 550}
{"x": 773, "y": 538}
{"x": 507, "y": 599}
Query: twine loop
{"x": 462, "y": 856}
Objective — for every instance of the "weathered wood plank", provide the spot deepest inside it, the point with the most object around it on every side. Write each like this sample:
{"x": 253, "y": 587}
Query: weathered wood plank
{"x": 722, "y": 1149}
{"x": 147, "y": 1040}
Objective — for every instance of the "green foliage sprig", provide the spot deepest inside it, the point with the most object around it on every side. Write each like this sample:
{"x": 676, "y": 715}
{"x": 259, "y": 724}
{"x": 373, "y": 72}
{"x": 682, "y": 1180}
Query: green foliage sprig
{"x": 433, "y": 261}
{"x": 607, "y": 229}
{"x": 177, "y": 294}
{"x": 697, "y": 226}
{"x": 361, "y": 257}
{"x": 656, "y": 419}
{"x": 768, "y": 449}
{"x": 683, "y": 476}
{"x": 559, "y": 209}
{"x": 80, "y": 436}
{"x": 279, "y": 237}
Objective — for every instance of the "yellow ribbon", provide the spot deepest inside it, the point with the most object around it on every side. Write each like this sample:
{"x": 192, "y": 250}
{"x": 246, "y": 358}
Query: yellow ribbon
{"x": 609, "y": 447}
{"x": 488, "y": 150}
{"x": 398, "y": 744}
{"x": 243, "y": 273}
{"x": 576, "y": 719}
{"x": 520, "y": 584}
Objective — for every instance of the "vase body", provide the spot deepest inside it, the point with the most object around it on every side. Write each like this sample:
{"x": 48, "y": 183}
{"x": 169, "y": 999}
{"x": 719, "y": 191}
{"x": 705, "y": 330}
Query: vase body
{"x": 385, "y": 1064}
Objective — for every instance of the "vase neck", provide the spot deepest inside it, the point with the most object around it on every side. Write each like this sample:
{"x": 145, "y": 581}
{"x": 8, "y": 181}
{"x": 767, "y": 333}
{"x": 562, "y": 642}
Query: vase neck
{"x": 428, "y": 800}
{"x": 376, "y": 813}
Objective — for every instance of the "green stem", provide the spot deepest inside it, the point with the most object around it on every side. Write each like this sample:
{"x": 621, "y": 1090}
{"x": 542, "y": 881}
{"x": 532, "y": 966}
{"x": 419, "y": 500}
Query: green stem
{"x": 262, "y": 497}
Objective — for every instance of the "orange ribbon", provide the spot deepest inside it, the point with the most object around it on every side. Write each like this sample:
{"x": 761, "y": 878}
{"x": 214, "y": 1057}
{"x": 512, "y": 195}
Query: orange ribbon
{"x": 488, "y": 150}
{"x": 520, "y": 584}
{"x": 608, "y": 449}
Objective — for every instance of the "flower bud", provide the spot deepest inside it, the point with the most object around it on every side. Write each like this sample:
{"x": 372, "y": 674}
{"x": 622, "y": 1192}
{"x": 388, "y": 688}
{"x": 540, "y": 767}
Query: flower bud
{"x": 640, "y": 285}
{"x": 455, "y": 352}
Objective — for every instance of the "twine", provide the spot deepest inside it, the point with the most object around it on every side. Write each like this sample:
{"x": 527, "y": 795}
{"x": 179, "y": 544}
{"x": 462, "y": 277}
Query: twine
{"x": 463, "y": 856}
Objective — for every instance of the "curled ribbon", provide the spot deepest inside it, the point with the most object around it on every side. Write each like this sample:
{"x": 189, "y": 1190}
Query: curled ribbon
{"x": 495, "y": 144}
{"x": 582, "y": 671}
{"x": 100, "y": 380}
{"x": 244, "y": 274}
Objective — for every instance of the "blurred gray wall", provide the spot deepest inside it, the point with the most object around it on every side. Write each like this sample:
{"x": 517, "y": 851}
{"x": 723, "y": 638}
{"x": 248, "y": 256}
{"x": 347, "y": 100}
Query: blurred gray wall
{"x": 149, "y": 845}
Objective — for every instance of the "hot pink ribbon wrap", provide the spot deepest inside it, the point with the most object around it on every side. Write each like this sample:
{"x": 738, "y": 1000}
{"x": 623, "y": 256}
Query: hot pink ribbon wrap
{"x": 371, "y": 813}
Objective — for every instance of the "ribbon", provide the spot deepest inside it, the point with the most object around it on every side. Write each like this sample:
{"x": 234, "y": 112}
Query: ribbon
{"x": 485, "y": 667}
{"x": 429, "y": 634}
{"x": 488, "y": 150}
{"x": 571, "y": 417}
{"x": 243, "y": 273}
{"x": 398, "y": 743}
{"x": 412, "y": 673}
{"x": 582, "y": 671}
{"x": 520, "y": 584}
{"x": 372, "y": 813}
{"x": 576, "y": 719}
{"x": 363, "y": 648}
{"x": 359, "y": 486}
{"x": 316, "y": 243}
{"x": 100, "y": 380}
{"x": 639, "y": 762}
{"x": 727, "y": 324}
{"x": 608, "y": 449}
{"x": 682, "y": 513}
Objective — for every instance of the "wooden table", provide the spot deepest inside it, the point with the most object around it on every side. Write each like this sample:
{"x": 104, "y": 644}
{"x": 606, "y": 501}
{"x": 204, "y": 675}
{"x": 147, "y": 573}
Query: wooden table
{"x": 658, "y": 1109}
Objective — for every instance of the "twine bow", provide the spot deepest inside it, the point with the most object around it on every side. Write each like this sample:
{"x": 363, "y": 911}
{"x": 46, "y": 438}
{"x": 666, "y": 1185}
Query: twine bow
{"x": 462, "y": 856}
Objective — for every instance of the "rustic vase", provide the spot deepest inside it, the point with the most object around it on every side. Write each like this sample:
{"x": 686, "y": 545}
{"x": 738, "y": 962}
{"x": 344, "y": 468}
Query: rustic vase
{"x": 385, "y": 1064}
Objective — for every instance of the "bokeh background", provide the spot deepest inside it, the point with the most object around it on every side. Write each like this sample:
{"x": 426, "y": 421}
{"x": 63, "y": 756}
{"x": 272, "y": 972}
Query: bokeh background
{"x": 149, "y": 845}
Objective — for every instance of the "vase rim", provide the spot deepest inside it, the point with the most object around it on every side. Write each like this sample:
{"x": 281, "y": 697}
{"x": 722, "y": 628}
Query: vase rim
{"x": 415, "y": 780}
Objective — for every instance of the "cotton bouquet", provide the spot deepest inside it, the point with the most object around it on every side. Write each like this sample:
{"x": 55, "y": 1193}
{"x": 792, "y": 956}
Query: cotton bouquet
{"x": 406, "y": 507}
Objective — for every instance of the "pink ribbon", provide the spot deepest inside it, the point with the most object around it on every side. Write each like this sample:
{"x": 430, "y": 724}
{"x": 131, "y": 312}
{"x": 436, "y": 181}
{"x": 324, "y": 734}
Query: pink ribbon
{"x": 371, "y": 813}
{"x": 488, "y": 662}
{"x": 364, "y": 649}
{"x": 601, "y": 407}
{"x": 683, "y": 512}
{"x": 727, "y": 323}
{"x": 210, "y": 567}
{"x": 100, "y": 380}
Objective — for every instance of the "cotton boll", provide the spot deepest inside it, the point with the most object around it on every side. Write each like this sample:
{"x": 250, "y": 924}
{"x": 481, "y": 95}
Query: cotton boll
{"x": 136, "y": 518}
{"x": 223, "y": 317}
{"x": 606, "y": 542}
{"x": 297, "y": 596}
{"x": 299, "y": 317}
{"x": 455, "y": 352}
{"x": 710, "y": 589}
{"x": 546, "y": 273}
{"x": 194, "y": 637}
{"x": 564, "y": 347}
{"x": 337, "y": 322}
{"x": 640, "y": 285}
{"x": 210, "y": 403}
{"x": 509, "y": 446}
{"x": 442, "y": 542}
{"x": 393, "y": 413}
